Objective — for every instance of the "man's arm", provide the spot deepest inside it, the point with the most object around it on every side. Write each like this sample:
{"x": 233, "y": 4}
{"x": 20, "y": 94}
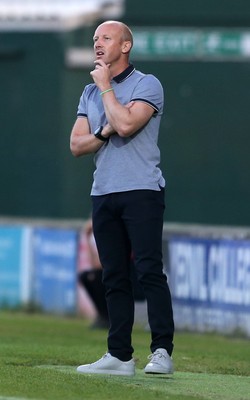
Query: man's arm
{"x": 126, "y": 120}
{"x": 82, "y": 141}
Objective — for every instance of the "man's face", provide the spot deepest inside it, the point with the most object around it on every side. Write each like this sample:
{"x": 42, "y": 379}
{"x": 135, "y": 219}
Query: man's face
{"x": 108, "y": 42}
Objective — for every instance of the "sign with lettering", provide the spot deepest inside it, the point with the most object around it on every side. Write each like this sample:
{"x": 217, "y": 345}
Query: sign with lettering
{"x": 213, "y": 277}
{"x": 14, "y": 266}
{"x": 178, "y": 43}
{"x": 55, "y": 254}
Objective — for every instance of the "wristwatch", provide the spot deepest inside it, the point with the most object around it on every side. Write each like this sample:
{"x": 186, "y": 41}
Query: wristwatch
{"x": 98, "y": 134}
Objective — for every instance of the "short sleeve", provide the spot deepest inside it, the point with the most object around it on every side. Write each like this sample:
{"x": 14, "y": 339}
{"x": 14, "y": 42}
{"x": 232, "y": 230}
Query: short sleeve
{"x": 150, "y": 90}
{"x": 82, "y": 110}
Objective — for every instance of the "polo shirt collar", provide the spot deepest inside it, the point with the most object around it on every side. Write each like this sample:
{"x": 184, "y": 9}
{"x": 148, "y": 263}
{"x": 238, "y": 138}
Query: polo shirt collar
{"x": 125, "y": 74}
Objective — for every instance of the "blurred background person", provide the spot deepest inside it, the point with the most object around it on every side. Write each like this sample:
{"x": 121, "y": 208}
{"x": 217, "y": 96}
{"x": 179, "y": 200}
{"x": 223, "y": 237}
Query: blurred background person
{"x": 91, "y": 279}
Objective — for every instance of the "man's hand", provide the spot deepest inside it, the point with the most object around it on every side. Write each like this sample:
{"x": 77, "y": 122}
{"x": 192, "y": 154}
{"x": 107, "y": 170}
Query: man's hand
{"x": 108, "y": 131}
{"x": 130, "y": 104}
{"x": 101, "y": 75}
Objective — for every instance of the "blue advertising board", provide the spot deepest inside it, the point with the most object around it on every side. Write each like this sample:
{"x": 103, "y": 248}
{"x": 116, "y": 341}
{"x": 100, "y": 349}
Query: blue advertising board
{"x": 210, "y": 283}
{"x": 14, "y": 266}
{"x": 55, "y": 255}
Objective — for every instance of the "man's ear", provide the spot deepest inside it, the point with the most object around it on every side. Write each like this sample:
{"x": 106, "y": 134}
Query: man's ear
{"x": 126, "y": 47}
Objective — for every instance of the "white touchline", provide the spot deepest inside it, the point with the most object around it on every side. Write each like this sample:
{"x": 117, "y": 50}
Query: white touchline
{"x": 13, "y": 398}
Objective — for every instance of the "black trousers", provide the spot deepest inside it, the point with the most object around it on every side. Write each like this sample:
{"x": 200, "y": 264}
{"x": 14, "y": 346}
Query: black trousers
{"x": 128, "y": 222}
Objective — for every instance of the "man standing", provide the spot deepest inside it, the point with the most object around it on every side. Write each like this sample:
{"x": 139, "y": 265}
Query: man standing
{"x": 118, "y": 120}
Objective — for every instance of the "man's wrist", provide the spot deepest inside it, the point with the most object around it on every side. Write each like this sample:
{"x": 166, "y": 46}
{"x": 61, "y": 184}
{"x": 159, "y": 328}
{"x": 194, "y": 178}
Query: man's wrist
{"x": 106, "y": 91}
{"x": 98, "y": 134}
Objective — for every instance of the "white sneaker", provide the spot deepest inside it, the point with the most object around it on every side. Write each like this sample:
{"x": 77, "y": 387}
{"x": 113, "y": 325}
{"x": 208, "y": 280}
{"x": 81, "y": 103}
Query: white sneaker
{"x": 109, "y": 365}
{"x": 161, "y": 363}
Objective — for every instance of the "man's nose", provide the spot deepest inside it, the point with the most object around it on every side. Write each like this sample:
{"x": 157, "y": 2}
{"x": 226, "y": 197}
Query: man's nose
{"x": 97, "y": 43}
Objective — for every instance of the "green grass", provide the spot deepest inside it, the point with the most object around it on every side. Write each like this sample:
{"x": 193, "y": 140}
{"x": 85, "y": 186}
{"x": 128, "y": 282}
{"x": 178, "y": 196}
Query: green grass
{"x": 39, "y": 354}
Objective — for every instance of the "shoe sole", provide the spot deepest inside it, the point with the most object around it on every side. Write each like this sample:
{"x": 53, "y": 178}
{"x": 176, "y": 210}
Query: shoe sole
{"x": 159, "y": 371}
{"x": 107, "y": 372}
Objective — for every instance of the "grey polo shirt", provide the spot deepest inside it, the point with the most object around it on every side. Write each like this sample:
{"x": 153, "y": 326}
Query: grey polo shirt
{"x": 125, "y": 164}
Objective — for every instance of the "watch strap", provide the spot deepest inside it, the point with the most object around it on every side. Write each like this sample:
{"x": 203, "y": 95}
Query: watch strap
{"x": 98, "y": 134}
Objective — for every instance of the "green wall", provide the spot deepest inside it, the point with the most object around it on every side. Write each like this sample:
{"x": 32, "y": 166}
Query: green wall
{"x": 188, "y": 12}
{"x": 38, "y": 102}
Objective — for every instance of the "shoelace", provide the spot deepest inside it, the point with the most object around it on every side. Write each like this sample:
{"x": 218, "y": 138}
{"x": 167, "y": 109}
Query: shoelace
{"x": 155, "y": 356}
{"x": 97, "y": 362}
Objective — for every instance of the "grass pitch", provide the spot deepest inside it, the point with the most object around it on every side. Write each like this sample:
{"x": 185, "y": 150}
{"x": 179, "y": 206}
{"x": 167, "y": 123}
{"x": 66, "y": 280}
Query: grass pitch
{"x": 39, "y": 355}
